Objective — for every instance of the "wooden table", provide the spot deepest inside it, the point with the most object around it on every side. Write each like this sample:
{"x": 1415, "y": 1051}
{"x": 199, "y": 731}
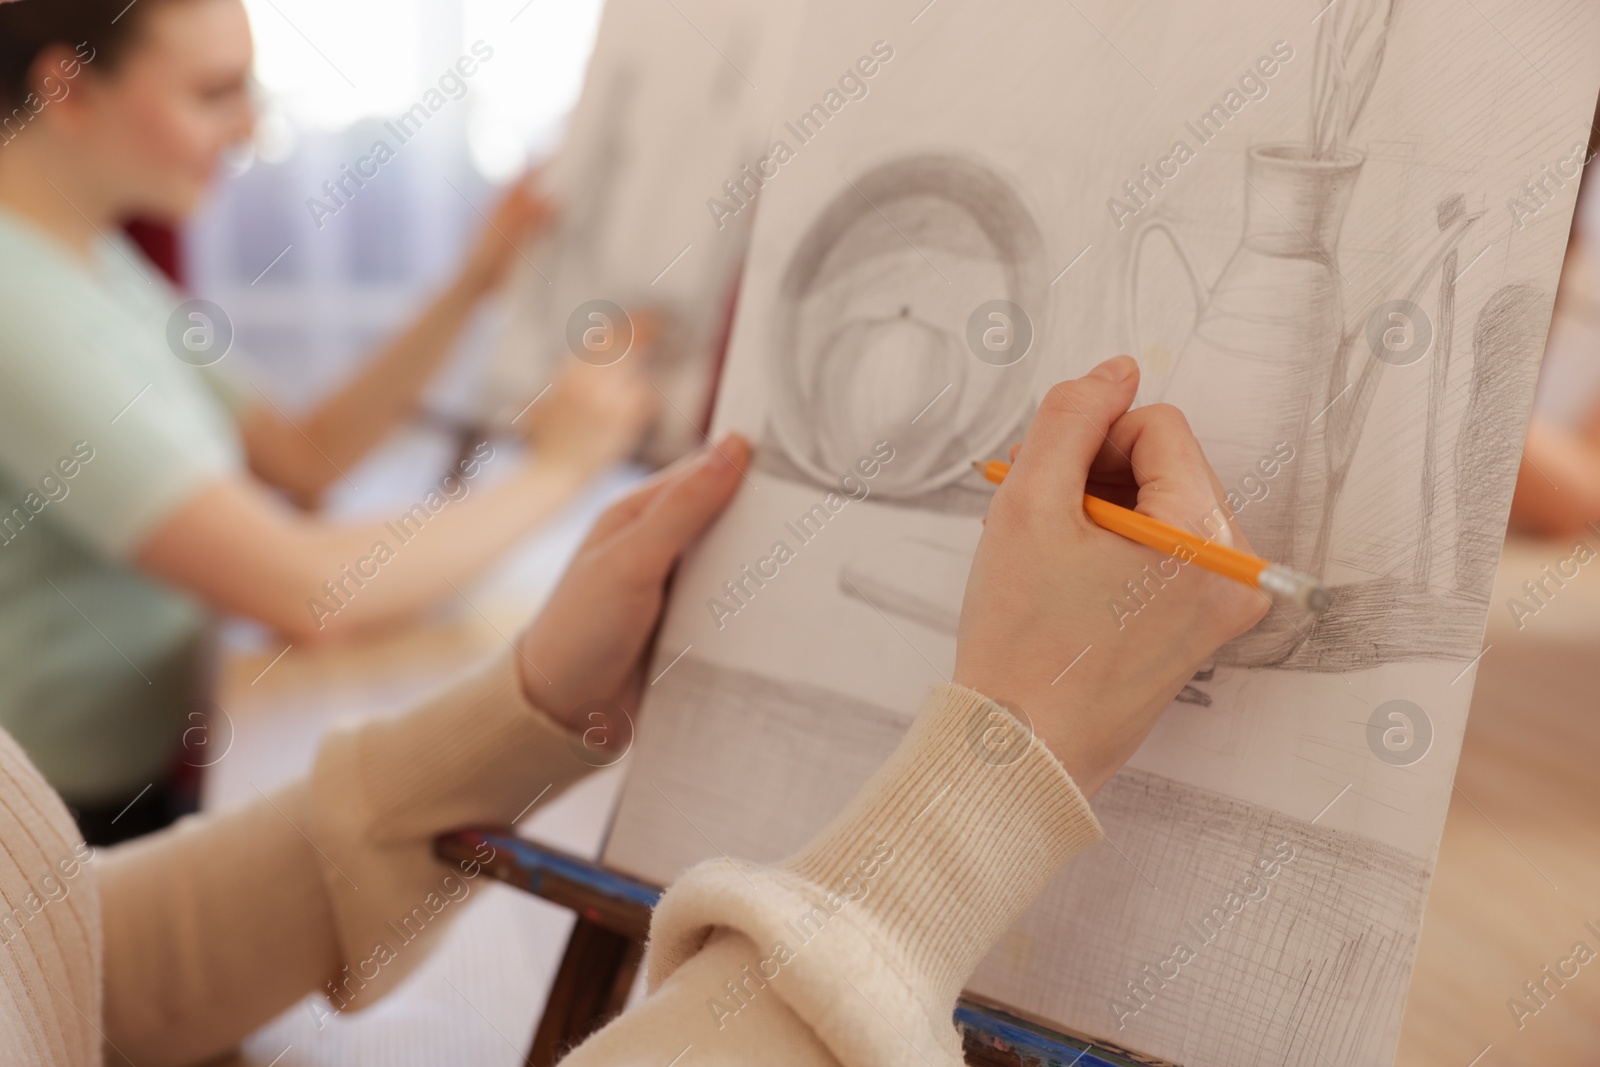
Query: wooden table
{"x": 1517, "y": 879}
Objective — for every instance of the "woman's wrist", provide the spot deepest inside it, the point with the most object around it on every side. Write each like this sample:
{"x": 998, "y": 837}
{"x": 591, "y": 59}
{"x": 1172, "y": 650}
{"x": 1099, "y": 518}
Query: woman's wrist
{"x": 916, "y": 880}
{"x": 568, "y": 466}
{"x": 553, "y": 477}
{"x": 534, "y": 685}
{"x": 968, "y": 820}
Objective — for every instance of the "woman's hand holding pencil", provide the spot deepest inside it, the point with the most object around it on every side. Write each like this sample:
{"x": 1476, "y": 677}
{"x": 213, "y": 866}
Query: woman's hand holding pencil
{"x": 1041, "y": 627}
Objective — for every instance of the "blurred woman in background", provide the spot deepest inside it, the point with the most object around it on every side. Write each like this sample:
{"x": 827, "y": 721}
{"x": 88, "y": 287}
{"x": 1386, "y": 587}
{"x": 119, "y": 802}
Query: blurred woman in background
{"x": 1558, "y": 486}
{"x": 140, "y": 492}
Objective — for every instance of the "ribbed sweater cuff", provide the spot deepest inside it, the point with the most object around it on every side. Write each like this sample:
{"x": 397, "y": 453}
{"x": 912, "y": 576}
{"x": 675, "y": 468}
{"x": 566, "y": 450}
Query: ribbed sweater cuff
{"x": 934, "y": 859}
{"x": 477, "y": 753}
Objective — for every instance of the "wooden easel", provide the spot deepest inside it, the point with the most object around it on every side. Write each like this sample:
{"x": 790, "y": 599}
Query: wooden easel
{"x": 607, "y": 945}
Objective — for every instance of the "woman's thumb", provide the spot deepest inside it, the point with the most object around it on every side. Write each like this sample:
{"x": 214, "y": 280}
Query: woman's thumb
{"x": 689, "y": 502}
{"x": 1071, "y": 425}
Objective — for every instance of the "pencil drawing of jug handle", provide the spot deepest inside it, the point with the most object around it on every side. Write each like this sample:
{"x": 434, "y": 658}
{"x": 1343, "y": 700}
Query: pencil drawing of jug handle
{"x": 1202, "y": 296}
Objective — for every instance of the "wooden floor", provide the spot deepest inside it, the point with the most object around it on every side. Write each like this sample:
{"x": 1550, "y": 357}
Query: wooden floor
{"x": 1518, "y": 874}
{"x": 1519, "y": 867}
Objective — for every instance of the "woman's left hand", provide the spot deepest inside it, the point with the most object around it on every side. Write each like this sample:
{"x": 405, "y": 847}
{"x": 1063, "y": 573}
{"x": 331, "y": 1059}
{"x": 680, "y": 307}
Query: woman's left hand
{"x": 589, "y": 641}
{"x": 522, "y": 213}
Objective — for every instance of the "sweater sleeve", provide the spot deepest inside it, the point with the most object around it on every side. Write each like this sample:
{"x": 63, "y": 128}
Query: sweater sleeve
{"x": 854, "y": 951}
{"x": 218, "y": 924}
{"x": 381, "y": 791}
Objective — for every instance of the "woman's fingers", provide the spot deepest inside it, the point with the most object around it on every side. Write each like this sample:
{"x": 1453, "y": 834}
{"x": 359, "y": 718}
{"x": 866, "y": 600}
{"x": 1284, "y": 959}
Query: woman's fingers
{"x": 1153, "y": 448}
{"x": 626, "y": 510}
{"x": 683, "y": 505}
{"x": 629, "y": 508}
{"x": 1147, "y": 459}
{"x": 520, "y": 210}
{"x": 1069, "y": 431}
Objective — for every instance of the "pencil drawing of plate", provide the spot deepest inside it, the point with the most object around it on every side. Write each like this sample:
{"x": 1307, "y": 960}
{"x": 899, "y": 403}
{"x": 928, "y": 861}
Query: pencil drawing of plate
{"x": 871, "y": 323}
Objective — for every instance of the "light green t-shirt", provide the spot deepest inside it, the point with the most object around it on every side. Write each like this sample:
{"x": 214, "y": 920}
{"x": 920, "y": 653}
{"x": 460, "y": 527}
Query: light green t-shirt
{"x": 104, "y": 433}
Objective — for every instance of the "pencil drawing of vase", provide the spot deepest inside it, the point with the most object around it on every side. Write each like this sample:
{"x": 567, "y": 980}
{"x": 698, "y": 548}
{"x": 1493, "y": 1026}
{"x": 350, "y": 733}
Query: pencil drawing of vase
{"x": 1267, "y": 336}
{"x": 1270, "y": 355}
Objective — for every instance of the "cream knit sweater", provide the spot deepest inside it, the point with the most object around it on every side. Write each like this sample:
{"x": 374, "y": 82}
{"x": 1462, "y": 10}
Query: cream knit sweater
{"x": 170, "y": 949}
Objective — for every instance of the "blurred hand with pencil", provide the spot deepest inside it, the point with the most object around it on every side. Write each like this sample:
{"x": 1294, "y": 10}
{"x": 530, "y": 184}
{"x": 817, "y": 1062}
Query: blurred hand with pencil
{"x": 592, "y": 416}
{"x": 522, "y": 214}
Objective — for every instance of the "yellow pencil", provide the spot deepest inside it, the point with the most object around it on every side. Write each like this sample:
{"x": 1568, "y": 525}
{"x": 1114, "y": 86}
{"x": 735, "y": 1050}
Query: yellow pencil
{"x": 1271, "y": 578}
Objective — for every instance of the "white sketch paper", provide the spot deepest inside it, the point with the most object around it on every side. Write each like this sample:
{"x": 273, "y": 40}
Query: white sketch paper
{"x": 1318, "y": 183}
{"x": 675, "y": 103}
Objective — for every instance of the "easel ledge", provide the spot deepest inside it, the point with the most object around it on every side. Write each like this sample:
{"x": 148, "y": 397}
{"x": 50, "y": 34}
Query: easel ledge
{"x": 607, "y": 945}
